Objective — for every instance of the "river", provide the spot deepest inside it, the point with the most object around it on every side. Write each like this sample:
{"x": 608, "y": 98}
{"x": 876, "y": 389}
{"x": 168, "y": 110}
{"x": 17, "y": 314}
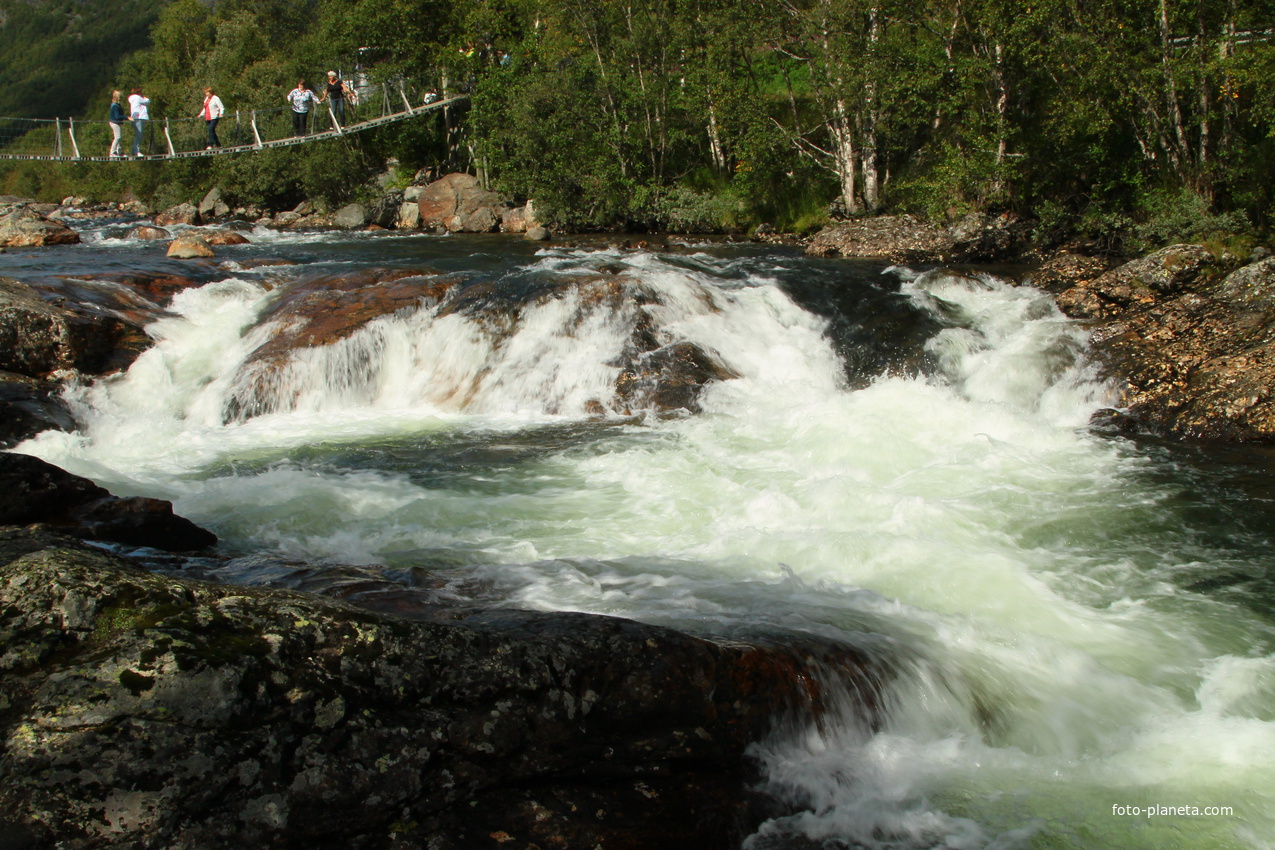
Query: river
{"x": 1078, "y": 624}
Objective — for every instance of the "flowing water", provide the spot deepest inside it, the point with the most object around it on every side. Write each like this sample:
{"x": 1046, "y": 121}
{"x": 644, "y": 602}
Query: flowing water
{"x": 1078, "y": 626}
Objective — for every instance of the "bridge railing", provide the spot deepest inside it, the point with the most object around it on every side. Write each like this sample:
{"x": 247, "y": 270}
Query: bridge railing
{"x": 78, "y": 138}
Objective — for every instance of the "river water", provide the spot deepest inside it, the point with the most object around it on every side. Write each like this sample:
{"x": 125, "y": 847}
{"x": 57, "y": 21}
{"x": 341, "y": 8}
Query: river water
{"x": 1078, "y": 625}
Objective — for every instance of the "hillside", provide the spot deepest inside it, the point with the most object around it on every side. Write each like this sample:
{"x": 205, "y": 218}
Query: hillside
{"x": 56, "y": 55}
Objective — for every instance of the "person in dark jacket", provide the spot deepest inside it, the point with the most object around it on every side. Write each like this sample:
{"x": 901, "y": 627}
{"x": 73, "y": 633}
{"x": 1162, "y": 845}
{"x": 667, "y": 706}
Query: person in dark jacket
{"x": 117, "y": 118}
{"x": 334, "y": 94}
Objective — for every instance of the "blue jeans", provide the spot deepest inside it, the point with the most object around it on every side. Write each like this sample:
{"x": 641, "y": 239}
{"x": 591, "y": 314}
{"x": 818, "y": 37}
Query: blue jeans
{"x": 139, "y": 124}
{"x": 213, "y": 141}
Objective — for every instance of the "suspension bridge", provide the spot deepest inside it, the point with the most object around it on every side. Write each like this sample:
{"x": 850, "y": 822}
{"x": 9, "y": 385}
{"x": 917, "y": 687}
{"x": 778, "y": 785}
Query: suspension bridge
{"x": 80, "y": 140}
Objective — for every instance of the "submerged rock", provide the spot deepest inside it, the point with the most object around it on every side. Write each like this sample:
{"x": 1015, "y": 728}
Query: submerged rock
{"x": 145, "y": 711}
{"x": 23, "y": 226}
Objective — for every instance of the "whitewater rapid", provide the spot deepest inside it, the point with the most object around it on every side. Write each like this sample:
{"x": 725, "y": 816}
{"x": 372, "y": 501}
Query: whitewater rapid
{"x": 1019, "y": 572}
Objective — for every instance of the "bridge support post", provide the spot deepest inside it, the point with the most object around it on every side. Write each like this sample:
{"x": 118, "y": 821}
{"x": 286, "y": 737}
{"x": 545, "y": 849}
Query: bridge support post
{"x": 340, "y": 130}
{"x": 70, "y": 129}
{"x": 255, "y": 134}
{"x": 403, "y": 95}
{"x": 168, "y": 138}
{"x": 57, "y": 138}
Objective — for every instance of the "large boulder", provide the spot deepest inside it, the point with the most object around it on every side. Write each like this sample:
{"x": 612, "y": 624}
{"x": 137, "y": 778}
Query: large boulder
{"x": 22, "y": 226}
{"x": 38, "y": 338}
{"x": 458, "y": 203}
{"x": 190, "y": 246}
{"x": 34, "y": 491}
{"x": 181, "y": 214}
{"x": 350, "y": 217}
{"x": 141, "y": 710}
{"x": 1193, "y": 348}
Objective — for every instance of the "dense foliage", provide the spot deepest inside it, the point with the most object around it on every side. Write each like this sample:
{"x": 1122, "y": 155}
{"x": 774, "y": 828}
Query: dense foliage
{"x": 1148, "y": 119}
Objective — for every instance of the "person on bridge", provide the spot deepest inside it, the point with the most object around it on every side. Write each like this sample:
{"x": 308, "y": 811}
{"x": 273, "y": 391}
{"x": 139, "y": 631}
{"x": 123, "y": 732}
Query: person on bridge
{"x": 301, "y": 99}
{"x": 116, "y": 120}
{"x": 335, "y": 95}
{"x": 212, "y": 111}
{"x": 139, "y": 113}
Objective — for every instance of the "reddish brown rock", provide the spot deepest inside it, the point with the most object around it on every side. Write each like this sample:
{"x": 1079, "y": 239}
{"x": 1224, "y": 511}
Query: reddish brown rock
{"x": 458, "y": 203}
{"x": 221, "y": 236}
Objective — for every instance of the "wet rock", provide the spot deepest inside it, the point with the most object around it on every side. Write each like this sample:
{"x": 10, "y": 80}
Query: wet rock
{"x": 223, "y": 236}
{"x": 350, "y": 217}
{"x": 23, "y": 226}
{"x": 34, "y": 491}
{"x": 324, "y": 309}
{"x": 670, "y": 377}
{"x": 146, "y": 711}
{"x": 537, "y": 234}
{"x": 190, "y": 246}
{"x": 27, "y": 407}
{"x": 181, "y": 214}
{"x": 459, "y": 203}
{"x": 38, "y": 338}
{"x": 148, "y": 233}
{"x": 1192, "y": 347}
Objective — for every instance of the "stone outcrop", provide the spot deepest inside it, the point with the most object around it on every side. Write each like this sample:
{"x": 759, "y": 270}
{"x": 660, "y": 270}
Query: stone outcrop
{"x": 140, "y": 710}
{"x": 33, "y": 491}
{"x": 22, "y": 226}
{"x": 181, "y": 214}
{"x": 1193, "y": 346}
{"x": 904, "y": 239}
{"x": 38, "y": 338}
{"x": 458, "y": 203}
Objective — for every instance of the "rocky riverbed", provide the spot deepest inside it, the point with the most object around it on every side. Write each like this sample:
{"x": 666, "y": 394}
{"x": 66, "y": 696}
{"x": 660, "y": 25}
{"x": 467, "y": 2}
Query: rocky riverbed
{"x": 144, "y": 706}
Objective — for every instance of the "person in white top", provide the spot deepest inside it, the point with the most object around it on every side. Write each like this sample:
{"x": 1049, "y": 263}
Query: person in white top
{"x": 139, "y": 114}
{"x": 212, "y": 110}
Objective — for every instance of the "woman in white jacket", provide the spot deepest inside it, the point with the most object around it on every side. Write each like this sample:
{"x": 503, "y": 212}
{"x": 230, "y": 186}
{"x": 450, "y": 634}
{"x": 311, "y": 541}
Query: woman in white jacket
{"x": 212, "y": 111}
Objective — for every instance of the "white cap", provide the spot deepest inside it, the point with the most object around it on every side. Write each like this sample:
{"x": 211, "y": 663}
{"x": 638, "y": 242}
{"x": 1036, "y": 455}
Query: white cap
{"x": 331, "y": 73}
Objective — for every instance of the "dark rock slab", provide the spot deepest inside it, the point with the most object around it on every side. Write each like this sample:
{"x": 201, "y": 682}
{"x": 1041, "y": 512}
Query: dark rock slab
{"x": 34, "y": 491}
{"x": 29, "y": 406}
{"x": 146, "y": 711}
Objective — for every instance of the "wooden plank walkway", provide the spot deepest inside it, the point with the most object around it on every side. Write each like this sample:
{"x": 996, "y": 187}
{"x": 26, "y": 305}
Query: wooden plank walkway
{"x": 287, "y": 141}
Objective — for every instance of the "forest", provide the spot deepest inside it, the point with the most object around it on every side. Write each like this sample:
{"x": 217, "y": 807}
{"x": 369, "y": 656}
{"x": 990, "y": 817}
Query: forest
{"x": 1136, "y": 122}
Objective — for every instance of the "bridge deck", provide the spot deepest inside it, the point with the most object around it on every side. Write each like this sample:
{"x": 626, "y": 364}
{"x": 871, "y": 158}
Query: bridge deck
{"x": 275, "y": 143}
